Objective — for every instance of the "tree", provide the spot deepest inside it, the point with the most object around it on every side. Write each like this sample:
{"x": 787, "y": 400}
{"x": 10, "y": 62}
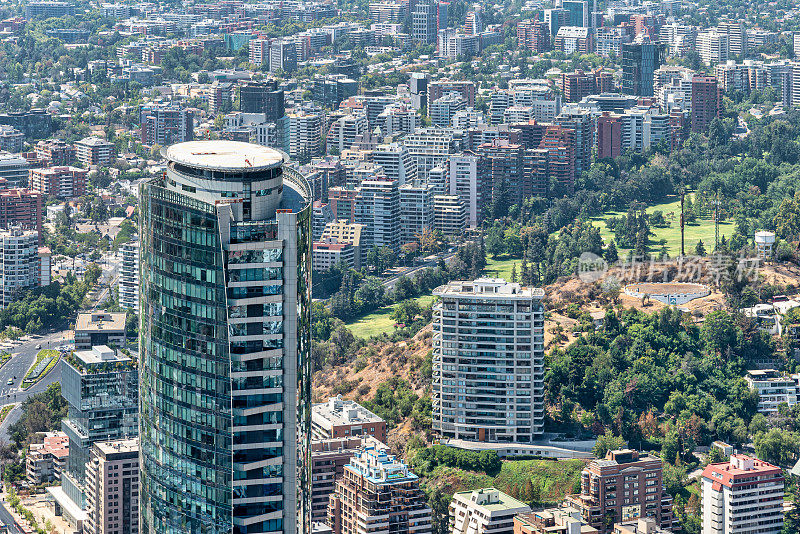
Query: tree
{"x": 720, "y": 333}
{"x": 607, "y": 442}
{"x": 787, "y": 220}
{"x": 406, "y": 311}
{"x": 700, "y": 249}
{"x": 514, "y": 273}
{"x": 777, "y": 446}
{"x": 370, "y": 294}
{"x": 610, "y": 254}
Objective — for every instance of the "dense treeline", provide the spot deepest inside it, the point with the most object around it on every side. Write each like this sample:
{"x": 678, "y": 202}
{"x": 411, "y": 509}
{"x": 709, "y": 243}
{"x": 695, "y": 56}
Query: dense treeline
{"x": 660, "y": 381}
{"x": 357, "y": 295}
{"x": 426, "y": 459}
{"x": 46, "y": 306}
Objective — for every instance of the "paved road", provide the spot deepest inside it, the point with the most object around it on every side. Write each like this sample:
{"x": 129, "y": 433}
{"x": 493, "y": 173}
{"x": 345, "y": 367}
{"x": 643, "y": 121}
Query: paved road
{"x": 8, "y": 520}
{"x": 390, "y": 283}
{"x": 14, "y": 370}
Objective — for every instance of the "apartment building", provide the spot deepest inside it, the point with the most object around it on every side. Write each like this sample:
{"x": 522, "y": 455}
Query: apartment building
{"x": 305, "y": 134}
{"x": 440, "y": 88}
{"x": 444, "y": 108}
{"x": 449, "y": 215}
{"x": 773, "y": 389}
{"x": 485, "y": 510}
{"x": 706, "y": 102}
{"x": 467, "y": 179}
{"x": 20, "y": 263}
{"x": 339, "y": 418}
{"x": 55, "y": 152}
{"x": 21, "y": 207}
{"x": 712, "y": 47}
{"x": 416, "y": 208}
{"x": 533, "y": 35}
{"x": 165, "y": 124}
{"x": 94, "y": 152}
{"x": 376, "y": 488}
{"x": 112, "y": 488}
{"x": 343, "y": 132}
{"x": 377, "y": 208}
{"x": 88, "y": 376}
{"x": 640, "y": 526}
{"x": 326, "y": 254}
{"x": 561, "y": 520}
{"x": 45, "y": 461}
{"x": 488, "y": 361}
{"x": 429, "y": 148}
{"x": 99, "y": 328}
{"x": 397, "y": 162}
{"x": 626, "y": 485}
{"x": 328, "y": 458}
{"x": 742, "y": 495}
{"x": 129, "y": 276}
{"x": 572, "y": 39}
{"x": 60, "y": 182}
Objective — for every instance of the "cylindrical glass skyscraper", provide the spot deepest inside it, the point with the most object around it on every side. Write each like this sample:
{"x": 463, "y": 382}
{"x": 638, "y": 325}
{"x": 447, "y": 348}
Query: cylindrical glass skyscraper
{"x": 225, "y": 372}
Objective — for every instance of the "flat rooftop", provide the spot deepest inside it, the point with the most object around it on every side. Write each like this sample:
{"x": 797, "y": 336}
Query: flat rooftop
{"x": 224, "y": 155}
{"x": 339, "y": 412}
{"x": 101, "y": 322}
{"x": 490, "y": 500}
{"x": 100, "y": 354}
{"x": 118, "y": 446}
{"x": 488, "y": 288}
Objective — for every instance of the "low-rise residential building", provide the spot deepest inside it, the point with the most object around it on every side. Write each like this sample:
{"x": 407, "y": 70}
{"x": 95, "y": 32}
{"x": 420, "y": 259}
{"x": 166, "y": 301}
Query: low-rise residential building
{"x": 773, "y": 389}
{"x": 486, "y": 510}
{"x": 561, "y": 520}
{"x": 339, "y": 418}
{"x": 99, "y": 328}
{"x": 742, "y": 495}
{"x": 45, "y": 460}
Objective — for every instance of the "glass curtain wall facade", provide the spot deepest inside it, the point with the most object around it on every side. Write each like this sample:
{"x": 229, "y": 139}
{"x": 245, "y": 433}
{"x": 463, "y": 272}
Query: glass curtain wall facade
{"x": 225, "y": 341}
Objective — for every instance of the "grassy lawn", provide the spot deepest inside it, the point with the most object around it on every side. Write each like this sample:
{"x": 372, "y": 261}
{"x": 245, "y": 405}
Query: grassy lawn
{"x": 551, "y": 480}
{"x": 4, "y": 411}
{"x": 500, "y": 267}
{"x": 4, "y": 357}
{"x": 44, "y": 353}
{"x": 380, "y": 321}
{"x": 702, "y": 229}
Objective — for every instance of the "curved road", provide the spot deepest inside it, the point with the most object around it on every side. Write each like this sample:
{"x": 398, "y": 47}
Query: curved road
{"x": 14, "y": 370}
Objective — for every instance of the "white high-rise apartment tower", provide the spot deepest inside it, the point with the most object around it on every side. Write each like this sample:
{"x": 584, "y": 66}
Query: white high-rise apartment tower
{"x": 488, "y": 361}
{"x": 129, "y": 276}
{"x": 743, "y": 495}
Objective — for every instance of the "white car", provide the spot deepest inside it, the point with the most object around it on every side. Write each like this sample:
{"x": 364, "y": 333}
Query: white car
{"x": 10, "y": 382}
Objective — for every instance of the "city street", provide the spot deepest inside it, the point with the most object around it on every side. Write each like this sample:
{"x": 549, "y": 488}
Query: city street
{"x": 23, "y": 357}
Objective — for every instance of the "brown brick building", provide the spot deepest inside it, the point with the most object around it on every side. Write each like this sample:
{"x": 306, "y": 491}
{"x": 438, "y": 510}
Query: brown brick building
{"x": 622, "y": 487}
{"x": 21, "y": 207}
